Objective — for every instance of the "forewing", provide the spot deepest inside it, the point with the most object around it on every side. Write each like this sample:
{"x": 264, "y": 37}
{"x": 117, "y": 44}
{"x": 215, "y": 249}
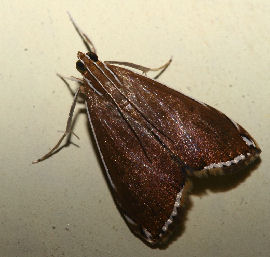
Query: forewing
{"x": 146, "y": 179}
{"x": 201, "y": 136}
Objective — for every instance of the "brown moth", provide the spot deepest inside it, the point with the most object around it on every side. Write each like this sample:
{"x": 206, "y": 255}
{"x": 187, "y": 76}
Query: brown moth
{"x": 150, "y": 138}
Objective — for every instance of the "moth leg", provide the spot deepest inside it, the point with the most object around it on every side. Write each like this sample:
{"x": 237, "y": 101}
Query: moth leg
{"x": 142, "y": 68}
{"x": 87, "y": 42}
{"x": 67, "y": 131}
{"x": 72, "y": 78}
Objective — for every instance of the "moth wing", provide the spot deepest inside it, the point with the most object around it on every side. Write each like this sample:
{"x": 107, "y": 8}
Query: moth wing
{"x": 201, "y": 136}
{"x": 146, "y": 180}
{"x": 149, "y": 136}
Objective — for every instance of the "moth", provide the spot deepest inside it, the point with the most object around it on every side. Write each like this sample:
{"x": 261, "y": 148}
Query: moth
{"x": 150, "y": 139}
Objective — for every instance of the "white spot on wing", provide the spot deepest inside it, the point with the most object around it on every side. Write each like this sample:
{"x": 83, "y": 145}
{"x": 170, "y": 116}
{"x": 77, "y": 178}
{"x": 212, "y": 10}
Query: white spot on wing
{"x": 169, "y": 221}
{"x": 148, "y": 235}
{"x": 174, "y": 212}
{"x": 130, "y": 221}
{"x": 249, "y": 142}
{"x": 235, "y": 124}
{"x": 227, "y": 163}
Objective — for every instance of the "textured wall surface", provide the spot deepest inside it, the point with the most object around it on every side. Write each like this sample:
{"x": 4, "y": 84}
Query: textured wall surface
{"x": 63, "y": 207}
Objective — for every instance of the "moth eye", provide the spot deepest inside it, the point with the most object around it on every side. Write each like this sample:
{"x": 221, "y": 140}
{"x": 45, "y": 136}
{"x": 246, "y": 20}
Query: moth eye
{"x": 92, "y": 56}
{"x": 80, "y": 66}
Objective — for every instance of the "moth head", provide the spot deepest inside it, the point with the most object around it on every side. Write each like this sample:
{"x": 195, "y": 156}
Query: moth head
{"x": 83, "y": 59}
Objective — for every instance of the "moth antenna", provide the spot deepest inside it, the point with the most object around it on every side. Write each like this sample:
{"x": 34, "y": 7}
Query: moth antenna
{"x": 92, "y": 47}
{"x": 87, "y": 42}
{"x": 143, "y": 68}
{"x": 165, "y": 66}
{"x": 67, "y": 131}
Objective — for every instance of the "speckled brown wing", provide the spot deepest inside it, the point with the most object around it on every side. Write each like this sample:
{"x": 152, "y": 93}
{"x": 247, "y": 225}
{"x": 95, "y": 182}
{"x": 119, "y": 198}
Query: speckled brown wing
{"x": 201, "y": 136}
{"x": 146, "y": 179}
